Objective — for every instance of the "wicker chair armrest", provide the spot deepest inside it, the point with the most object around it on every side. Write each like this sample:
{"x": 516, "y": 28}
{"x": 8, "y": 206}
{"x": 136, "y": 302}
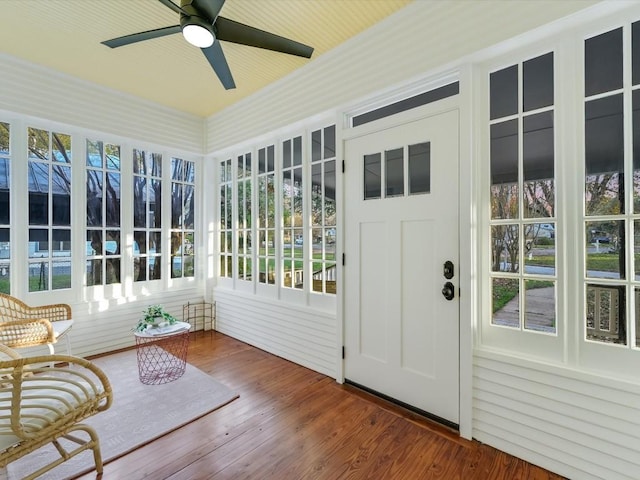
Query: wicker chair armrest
{"x": 26, "y": 332}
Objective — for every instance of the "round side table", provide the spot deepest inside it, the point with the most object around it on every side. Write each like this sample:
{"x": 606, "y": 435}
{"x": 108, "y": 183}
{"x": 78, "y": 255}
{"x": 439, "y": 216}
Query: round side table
{"x": 162, "y": 353}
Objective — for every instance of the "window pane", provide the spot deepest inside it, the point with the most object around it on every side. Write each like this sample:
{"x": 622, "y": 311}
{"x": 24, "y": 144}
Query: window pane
{"x": 61, "y": 195}
{"x": 4, "y": 138}
{"x": 540, "y": 251}
{"x": 394, "y": 172}
{"x": 505, "y": 248}
{"x": 330, "y": 142}
{"x": 636, "y": 150}
{"x": 504, "y": 170}
{"x": 330, "y": 193}
{"x": 636, "y": 250}
{"x": 38, "y": 276}
{"x": 61, "y": 275}
{"x": 112, "y": 195}
{"x": 603, "y": 63}
{"x": 5, "y": 257}
{"x": 420, "y": 168}
{"x": 316, "y": 194}
{"x": 297, "y": 151}
{"x": 94, "y": 272}
{"x": 540, "y": 306}
{"x": 38, "y": 144}
{"x": 94, "y": 154}
{"x": 605, "y": 318}
{"x": 538, "y": 165}
{"x": 94, "y": 198}
{"x": 504, "y": 92}
{"x": 5, "y": 182}
{"x": 635, "y": 52}
{"x": 537, "y": 82}
{"x": 505, "y": 302}
{"x": 286, "y": 154}
{"x": 271, "y": 158}
{"x": 604, "y": 156}
{"x": 316, "y": 145}
{"x": 605, "y": 252}
{"x": 112, "y": 154}
{"x": 113, "y": 270}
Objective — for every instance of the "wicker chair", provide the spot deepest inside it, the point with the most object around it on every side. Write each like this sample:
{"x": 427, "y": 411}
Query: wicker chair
{"x": 41, "y": 405}
{"x": 25, "y": 326}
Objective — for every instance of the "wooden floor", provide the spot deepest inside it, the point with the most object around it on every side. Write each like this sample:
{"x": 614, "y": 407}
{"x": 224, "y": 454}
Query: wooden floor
{"x": 293, "y": 423}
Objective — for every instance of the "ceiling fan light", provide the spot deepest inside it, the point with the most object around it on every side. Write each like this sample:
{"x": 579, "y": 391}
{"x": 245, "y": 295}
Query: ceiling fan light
{"x": 197, "y": 35}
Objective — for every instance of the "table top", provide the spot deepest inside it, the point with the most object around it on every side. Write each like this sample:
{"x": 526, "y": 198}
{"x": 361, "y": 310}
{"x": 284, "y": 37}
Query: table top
{"x": 155, "y": 332}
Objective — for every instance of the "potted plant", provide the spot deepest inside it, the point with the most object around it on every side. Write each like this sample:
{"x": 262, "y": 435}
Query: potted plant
{"x": 154, "y": 317}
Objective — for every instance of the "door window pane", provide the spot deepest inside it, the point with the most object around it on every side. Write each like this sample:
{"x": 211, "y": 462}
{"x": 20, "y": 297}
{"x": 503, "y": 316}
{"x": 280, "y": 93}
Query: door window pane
{"x": 420, "y": 168}
{"x": 372, "y": 176}
{"x": 394, "y": 172}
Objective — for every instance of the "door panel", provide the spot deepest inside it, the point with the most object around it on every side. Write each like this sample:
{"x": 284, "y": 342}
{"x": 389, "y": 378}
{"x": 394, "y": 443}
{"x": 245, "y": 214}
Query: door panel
{"x": 401, "y": 226}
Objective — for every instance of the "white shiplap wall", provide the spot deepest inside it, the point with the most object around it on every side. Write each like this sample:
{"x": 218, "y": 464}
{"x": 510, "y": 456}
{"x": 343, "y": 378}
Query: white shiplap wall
{"x": 303, "y": 335}
{"x": 40, "y": 92}
{"x": 580, "y": 425}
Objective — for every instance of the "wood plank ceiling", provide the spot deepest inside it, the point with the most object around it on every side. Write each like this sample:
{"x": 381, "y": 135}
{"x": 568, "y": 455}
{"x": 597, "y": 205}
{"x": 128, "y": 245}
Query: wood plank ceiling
{"x": 65, "y": 35}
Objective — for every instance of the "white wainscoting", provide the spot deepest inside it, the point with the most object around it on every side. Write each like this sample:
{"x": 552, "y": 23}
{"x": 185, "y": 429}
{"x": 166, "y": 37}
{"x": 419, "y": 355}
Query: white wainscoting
{"x": 579, "y": 425}
{"x": 301, "y": 335}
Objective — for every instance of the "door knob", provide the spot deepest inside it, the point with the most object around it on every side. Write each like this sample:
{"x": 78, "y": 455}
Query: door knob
{"x": 447, "y": 270}
{"x": 448, "y": 291}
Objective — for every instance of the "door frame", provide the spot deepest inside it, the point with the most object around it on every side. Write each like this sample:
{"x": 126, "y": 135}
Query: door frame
{"x": 467, "y": 179}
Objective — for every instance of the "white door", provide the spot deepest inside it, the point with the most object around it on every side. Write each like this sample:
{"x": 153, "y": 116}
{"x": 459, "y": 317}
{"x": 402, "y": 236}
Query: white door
{"x": 401, "y": 226}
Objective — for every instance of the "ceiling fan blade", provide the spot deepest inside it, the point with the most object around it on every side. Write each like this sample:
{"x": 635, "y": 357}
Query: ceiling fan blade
{"x": 210, "y": 7}
{"x": 141, "y": 36}
{"x": 235, "y": 32}
{"x": 172, "y": 6}
{"x": 219, "y": 64}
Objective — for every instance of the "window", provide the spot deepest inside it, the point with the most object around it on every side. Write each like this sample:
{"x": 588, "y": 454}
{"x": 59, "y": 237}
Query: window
{"x": 147, "y": 215}
{"x": 292, "y": 216}
{"x": 611, "y": 218}
{"x": 104, "y": 249}
{"x": 5, "y": 219}
{"x": 182, "y": 218}
{"x": 284, "y": 228}
{"x": 266, "y": 215}
{"x": 523, "y": 206}
{"x": 245, "y": 252}
{"x": 49, "y": 187}
{"x": 323, "y": 209}
{"x": 226, "y": 232}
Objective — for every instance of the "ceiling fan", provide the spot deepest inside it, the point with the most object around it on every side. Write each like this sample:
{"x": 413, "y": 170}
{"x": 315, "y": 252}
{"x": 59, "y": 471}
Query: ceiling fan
{"x": 202, "y": 27}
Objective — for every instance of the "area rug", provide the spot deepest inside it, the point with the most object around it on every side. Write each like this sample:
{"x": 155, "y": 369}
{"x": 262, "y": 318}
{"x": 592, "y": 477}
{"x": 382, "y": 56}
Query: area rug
{"x": 133, "y": 418}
